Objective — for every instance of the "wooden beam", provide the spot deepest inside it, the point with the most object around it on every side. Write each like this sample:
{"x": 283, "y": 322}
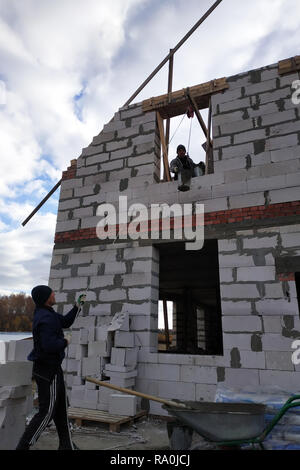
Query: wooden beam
{"x": 164, "y": 146}
{"x": 209, "y": 161}
{"x": 289, "y": 65}
{"x": 198, "y": 115}
{"x": 170, "y": 84}
{"x": 176, "y": 103}
{"x": 167, "y": 332}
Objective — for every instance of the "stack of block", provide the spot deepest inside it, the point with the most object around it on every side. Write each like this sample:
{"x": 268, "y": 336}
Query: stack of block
{"x": 106, "y": 350}
{"x": 16, "y": 400}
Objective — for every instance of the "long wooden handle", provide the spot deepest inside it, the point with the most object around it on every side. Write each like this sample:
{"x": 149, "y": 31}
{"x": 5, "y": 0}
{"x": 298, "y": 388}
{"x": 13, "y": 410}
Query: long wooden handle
{"x": 138, "y": 394}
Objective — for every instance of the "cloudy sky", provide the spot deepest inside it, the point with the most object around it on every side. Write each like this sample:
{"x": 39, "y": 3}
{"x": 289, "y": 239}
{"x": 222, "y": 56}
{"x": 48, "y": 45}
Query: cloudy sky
{"x": 66, "y": 66}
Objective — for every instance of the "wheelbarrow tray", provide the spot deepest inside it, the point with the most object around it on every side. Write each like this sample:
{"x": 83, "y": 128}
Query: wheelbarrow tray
{"x": 220, "y": 422}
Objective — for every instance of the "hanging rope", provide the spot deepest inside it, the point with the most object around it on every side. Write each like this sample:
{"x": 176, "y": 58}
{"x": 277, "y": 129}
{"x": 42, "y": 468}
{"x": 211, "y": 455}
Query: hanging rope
{"x": 176, "y": 129}
{"x": 190, "y": 114}
{"x": 190, "y": 136}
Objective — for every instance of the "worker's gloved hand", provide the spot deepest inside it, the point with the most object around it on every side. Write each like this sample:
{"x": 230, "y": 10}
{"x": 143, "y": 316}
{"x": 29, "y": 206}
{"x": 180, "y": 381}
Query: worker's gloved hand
{"x": 80, "y": 301}
{"x": 175, "y": 169}
{"x": 68, "y": 337}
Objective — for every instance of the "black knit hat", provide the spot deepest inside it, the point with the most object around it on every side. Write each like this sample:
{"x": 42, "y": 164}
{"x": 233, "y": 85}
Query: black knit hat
{"x": 40, "y": 294}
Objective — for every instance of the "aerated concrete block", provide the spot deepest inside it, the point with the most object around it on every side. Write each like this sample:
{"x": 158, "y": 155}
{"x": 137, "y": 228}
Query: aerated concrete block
{"x": 91, "y": 365}
{"x": 121, "y": 369}
{"x": 83, "y": 336}
{"x": 91, "y": 398}
{"x": 19, "y": 350}
{"x": 238, "y": 378}
{"x": 288, "y": 381}
{"x": 99, "y": 348}
{"x": 12, "y": 424}
{"x": 277, "y": 307}
{"x": 124, "y": 356}
{"x": 3, "y": 351}
{"x": 85, "y": 322}
{"x": 276, "y": 342}
{"x": 75, "y": 337}
{"x": 122, "y": 382}
{"x": 124, "y": 339}
{"x": 249, "y": 323}
{"x": 124, "y": 405}
{"x": 77, "y": 395}
{"x": 125, "y": 375}
{"x": 279, "y": 360}
{"x": 257, "y": 273}
{"x": 15, "y": 373}
{"x": 258, "y": 242}
{"x": 239, "y": 291}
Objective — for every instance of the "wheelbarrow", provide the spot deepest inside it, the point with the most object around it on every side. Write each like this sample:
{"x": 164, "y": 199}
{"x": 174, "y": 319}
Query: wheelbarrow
{"x": 224, "y": 424}
{"x": 230, "y": 424}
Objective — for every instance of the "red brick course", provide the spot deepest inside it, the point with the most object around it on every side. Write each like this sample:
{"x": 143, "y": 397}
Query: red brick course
{"x": 70, "y": 172}
{"x": 211, "y": 218}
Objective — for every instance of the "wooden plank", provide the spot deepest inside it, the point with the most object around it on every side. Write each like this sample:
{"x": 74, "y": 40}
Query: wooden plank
{"x": 289, "y": 65}
{"x": 164, "y": 146}
{"x": 167, "y": 332}
{"x": 175, "y": 103}
{"x": 170, "y": 84}
{"x": 209, "y": 147}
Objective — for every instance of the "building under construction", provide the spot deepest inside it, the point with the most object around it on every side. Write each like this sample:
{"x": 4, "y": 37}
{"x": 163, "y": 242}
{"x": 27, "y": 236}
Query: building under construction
{"x": 236, "y": 300}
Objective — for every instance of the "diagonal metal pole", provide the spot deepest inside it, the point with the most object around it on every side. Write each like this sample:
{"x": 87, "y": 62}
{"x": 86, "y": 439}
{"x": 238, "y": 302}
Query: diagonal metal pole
{"x": 191, "y": 31}
{"x": 42, "y": 203}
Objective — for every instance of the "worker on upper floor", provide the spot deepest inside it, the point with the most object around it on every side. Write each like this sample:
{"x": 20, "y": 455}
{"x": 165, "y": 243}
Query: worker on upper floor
{"x": 185, "y": 166}
{"x": 182, "y": 162}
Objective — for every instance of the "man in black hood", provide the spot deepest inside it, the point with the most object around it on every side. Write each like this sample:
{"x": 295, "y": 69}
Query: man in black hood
{"x": 47, "y": 355}
{"x": 182, "y": 162}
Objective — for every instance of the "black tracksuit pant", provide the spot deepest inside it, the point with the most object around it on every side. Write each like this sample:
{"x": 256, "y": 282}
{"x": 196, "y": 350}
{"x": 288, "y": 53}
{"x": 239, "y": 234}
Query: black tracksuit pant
{"x": 52, "y": 400}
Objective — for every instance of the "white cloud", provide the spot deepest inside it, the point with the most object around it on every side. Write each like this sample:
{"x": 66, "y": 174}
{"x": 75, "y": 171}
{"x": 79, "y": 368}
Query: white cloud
{"x": 101, "y": 51}
{"x": 25, "y": 254}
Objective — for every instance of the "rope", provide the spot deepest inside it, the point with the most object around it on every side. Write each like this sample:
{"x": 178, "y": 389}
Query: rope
{"x": 177, "y": 129}
{"x": 190, "y": 135}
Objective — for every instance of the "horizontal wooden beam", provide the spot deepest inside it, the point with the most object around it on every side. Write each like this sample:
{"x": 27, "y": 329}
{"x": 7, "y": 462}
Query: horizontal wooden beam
{"x": 289, "y": 65}
{"x": 176, "y": 103}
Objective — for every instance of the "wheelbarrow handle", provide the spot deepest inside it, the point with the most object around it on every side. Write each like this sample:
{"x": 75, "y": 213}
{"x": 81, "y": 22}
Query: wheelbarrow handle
{"x": 287, "y": 405}
{"x": 138, "y": 394}
{"x": 292, "y": 398}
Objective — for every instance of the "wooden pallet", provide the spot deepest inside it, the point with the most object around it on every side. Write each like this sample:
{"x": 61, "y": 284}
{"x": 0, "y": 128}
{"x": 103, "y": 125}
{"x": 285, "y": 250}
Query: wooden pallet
{"x": 114, "y": 421}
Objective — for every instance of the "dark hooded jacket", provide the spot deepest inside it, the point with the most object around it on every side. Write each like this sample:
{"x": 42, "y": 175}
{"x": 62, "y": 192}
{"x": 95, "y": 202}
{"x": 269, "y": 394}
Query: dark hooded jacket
{"x": 48, "y": 337}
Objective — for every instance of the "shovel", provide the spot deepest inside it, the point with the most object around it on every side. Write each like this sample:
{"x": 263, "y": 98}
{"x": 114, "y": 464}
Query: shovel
{"x": 139, "y": 394}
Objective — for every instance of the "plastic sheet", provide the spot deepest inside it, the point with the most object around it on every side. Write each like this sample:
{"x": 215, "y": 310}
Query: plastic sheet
{"x": 286, "y": 433}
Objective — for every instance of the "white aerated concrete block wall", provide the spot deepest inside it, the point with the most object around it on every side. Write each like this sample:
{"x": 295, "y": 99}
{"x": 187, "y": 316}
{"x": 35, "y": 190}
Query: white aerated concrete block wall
{"x": 256, "y": 135}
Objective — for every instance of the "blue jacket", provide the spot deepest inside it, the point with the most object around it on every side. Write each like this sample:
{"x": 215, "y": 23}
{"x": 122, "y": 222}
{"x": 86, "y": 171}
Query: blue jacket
{"x": 48, "y": 337}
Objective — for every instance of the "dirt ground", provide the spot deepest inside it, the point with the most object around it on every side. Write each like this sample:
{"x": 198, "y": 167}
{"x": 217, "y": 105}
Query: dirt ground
{"x": 147, "y": 433}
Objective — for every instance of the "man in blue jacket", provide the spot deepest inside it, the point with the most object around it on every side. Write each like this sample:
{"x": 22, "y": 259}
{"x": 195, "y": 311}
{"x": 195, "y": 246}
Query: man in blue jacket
{"x": 47, "y": 355}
